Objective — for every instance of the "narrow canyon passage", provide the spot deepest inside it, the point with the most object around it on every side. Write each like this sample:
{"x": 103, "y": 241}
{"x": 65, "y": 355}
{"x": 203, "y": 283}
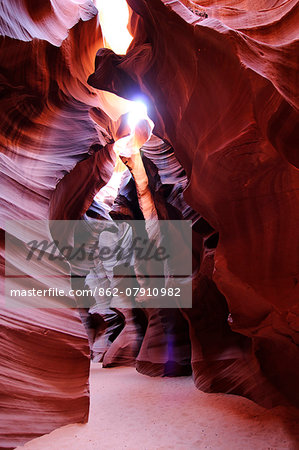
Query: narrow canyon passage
{"x": 149, "y": 210}
{"x": 130, "y": 411}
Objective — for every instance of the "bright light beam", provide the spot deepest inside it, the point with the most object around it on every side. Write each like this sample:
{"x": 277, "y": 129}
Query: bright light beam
{"x": 114, "y": 17}
{"x": 138, "y": 111}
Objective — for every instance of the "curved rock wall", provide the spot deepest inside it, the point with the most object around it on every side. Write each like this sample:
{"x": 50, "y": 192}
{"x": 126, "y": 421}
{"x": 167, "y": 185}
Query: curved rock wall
{"x": 225, "y": 99}
{"x": 221, "y": 79}
{"x": 45, "y": 131}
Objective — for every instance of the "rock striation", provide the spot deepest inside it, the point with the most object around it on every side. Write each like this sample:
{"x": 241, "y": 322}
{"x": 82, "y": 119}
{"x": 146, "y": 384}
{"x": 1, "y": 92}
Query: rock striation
{"x": 223, "y": 93}
{"x": 45, "y": 131}
{"x": 221, "y": 82}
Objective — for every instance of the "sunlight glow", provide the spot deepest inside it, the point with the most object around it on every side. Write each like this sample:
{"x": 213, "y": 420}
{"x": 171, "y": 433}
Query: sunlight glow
{"x": 137, "y": 112}
{"x": 126, "y": 146}
{"x": 114, "y": 17}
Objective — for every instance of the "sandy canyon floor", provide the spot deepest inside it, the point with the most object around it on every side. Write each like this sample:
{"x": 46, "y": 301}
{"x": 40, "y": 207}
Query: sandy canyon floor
{"x": 132, "y": 411}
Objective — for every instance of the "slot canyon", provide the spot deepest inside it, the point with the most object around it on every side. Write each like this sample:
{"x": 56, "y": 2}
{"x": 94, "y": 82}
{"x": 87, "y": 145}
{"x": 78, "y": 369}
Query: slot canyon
{"x": 174, "y": 123}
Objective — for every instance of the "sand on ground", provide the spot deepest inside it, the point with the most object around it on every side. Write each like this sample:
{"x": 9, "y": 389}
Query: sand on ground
{"x": 133, "y": 411}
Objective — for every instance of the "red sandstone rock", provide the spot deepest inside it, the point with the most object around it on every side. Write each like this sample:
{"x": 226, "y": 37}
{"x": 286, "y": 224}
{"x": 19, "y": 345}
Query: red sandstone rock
{"x": 225, "y": 99}
{"x": 45, "y": 130}
{"x": 223, "y": 91}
